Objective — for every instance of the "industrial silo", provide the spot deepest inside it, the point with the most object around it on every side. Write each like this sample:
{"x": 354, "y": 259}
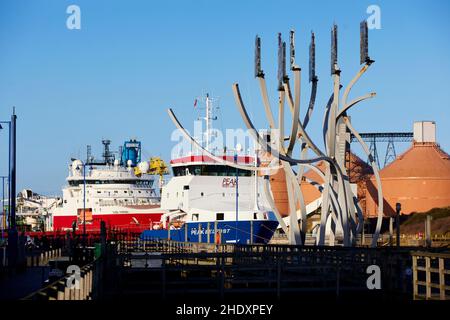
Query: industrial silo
{"x": 419, "y": 179}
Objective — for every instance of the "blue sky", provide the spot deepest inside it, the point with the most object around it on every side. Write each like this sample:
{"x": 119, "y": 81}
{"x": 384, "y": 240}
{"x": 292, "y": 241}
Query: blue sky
{"x": 132, "y": 60}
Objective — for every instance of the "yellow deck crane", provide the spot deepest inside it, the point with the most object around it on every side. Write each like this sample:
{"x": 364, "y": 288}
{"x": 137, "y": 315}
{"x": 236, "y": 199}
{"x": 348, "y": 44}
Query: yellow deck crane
{"x": 156, "y": 166}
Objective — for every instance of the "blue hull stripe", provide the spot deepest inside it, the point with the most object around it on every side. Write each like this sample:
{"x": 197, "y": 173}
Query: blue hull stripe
{"x": 229, "y": 231}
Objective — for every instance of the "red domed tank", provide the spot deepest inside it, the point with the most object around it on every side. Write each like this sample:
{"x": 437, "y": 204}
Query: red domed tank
{"x": 419, "y": 179}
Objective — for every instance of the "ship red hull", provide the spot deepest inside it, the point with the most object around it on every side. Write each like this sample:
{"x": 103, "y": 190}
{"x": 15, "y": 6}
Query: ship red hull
{"x": 126, "y": 222}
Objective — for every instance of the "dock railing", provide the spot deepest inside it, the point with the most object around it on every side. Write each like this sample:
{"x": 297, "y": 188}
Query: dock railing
{"x": 36, "y": 259}
{"x": 258, "y": 268}
{"x": 429, "y": 276}
{"x": 78, "y": 286}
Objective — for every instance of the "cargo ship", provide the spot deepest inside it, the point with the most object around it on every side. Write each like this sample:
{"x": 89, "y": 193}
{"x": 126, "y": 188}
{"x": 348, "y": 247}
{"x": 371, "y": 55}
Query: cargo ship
{"x": 117, "y": 190}
{"x": 209, "y": 201}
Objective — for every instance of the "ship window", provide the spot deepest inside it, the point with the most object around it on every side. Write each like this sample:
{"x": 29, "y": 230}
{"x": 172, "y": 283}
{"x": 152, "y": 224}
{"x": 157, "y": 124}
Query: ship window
{"x": 255, "y": 216}
{"x": 65, "y": 201}
{"x": 179, "y": 171}
{"x": 145, "y": 183}
{"x": 115, "y": 191}
{"x": 195, "y": 217}
{"x": 196, "y": 170}
{"x": 99, "y": 192}
{"x": 219, "y": 216}
{"x": 223, "y": 194}
{"x": 202, "y": 194}
{"x": 209, "y": 170}
{"x": 125, "y": 191}
{"x": 185, "y": 187}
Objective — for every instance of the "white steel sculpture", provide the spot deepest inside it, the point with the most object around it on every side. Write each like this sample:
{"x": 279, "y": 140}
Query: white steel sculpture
{"x": 340, "y": 210}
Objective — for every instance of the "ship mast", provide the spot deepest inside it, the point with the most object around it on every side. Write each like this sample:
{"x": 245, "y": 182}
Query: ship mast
{"x": 208, "y": 121}
{"x": 209, "y": 118}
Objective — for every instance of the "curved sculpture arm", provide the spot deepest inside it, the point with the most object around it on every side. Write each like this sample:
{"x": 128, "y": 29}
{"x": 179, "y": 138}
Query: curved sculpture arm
{"x": 273, "y": 206}
{"x": 325, "y": 121}
{"x": 307, "y": 163}
{"x": 312, "y": 101}
{"x": 356, "y": 78}
{"x": 207, "y": 152}
{"x": 281, "y": 99}
{"x": 264, "y": 144}
{"x": 296, "y": 108}
{"x": 298, "y": 195}
{"x": 282, "y": 157}
{"x": 294, "y": 230}
{"x": 360, "y": 225}
{"x": 315, "y": 184}
{"x": 344, "y": 212}
{"x": 353, "y": 102}
{"x": 300, "y": 128}
{"x": 325, "y": 209}
{"x": 301, "y": 169}
{"x": 334, "y": 202}
{"x": 343, "y": 200}
{"x": 331, "y": 137}
{"x": 268, "y": 110}
{"x": 377, "y": 177}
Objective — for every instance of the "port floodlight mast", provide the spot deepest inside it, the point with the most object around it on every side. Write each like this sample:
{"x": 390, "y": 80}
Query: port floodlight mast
{"x": 341, "y": 215}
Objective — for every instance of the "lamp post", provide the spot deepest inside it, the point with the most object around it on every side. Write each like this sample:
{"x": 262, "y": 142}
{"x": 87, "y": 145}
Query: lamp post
{"x": 237, "y": 150}
{"x": 398, "y": 208}
{"x": 84, "y": 205}
{"x": 3, "y": 205}
{"x": 6, "y": 177}
{"x": 237, "y": 197}
{"x": 12, "y": 231}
